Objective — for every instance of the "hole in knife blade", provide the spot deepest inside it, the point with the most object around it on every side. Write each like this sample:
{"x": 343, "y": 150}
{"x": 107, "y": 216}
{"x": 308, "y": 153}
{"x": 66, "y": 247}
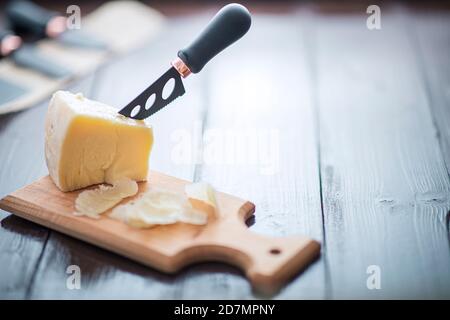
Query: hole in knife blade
{"x": 168, "y": 88}
{"x": 150, "y": 101}
{"x": 135, "y": 111}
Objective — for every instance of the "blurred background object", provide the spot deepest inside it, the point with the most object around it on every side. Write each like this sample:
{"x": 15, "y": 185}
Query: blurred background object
{"x": 59, "y": 46}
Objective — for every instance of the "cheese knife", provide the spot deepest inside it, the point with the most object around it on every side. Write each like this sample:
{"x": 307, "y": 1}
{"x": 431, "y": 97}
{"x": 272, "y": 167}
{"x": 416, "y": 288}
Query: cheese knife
{"x": 26, "y": 55}
{"x": 26, "y": 17}
{"x": 226, "y": 27}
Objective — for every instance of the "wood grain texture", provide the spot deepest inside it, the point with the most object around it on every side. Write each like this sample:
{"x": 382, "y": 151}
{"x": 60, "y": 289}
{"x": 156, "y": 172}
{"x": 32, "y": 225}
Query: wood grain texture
{"x": 267, "y": 262}
{"x": 381, "y": 139}
{"x": 431, "y": 35}
{"x": 259, "y": 141}
{"x": 117, "y": 84}
{"x": 22, "y": 157}
{"x": 385, "y": 185}
{"x": 170, "y": 126}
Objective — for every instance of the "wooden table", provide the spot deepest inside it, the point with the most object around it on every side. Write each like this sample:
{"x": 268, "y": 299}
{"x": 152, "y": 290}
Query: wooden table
{"x": 352, "y": 148}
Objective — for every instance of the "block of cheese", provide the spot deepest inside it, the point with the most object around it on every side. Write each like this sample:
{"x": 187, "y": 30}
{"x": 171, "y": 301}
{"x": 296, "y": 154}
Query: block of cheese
{"x": 87, "y": 142}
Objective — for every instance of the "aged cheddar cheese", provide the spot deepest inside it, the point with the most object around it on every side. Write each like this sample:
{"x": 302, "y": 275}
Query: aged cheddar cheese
{"x": 87, "y": 142}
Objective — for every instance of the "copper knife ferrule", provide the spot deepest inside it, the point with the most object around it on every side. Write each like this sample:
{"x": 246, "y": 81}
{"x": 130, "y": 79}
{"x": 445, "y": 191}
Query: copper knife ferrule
{"x": 181, "y": 67}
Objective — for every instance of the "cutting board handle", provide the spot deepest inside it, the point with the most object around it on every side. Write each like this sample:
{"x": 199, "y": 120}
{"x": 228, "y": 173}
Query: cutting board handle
{"x": 268, "y": 262}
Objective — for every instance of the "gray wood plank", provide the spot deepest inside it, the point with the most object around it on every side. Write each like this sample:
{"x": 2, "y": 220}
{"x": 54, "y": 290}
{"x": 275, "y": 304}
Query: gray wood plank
{"x": 104, "y": 274}
{"x": 384, "y": 160}
{"x": 108, "y": 274}
{"x": 385, "y": 186}
{"x": 431, "y": 32}
{"x": 259, "y": 143}
{"x": 22, "y": 159}
{"x": 21, "y": 246}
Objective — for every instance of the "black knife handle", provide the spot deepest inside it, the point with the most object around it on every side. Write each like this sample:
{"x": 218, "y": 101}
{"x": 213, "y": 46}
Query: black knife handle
{"x": 5, "y": 33}
{"x": 227, "y": 26}
{"x": 27, "y": 17}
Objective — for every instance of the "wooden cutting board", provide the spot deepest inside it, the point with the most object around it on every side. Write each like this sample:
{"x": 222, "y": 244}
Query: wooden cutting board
{"x": 267, "y": 262}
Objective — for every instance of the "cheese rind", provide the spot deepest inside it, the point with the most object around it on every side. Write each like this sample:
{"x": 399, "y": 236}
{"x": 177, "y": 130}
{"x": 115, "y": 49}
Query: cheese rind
{"x": 87, "y": 143}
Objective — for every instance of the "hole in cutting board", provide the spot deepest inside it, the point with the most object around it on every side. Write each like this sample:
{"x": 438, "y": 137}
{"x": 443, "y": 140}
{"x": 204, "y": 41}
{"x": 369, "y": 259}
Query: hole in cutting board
{"x": 168, "y": 88}
{"x": 135, "y": 111}
{"x": 150, "y": 101}
{"x": 275, "y": 251}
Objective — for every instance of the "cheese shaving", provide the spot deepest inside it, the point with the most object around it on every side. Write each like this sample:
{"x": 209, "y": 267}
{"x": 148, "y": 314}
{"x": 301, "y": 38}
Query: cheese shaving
{"x": 94, "y": 202}
{"x": 202, "y": 197}
{"x": 162, "y": 207}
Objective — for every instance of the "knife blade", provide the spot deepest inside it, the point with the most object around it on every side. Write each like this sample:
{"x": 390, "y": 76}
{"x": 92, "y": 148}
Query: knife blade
{"x": 225, "y": 28}
{"x": 28, "y": 18}
{"x": 28, "y": 56}
{"x": 142, "y": 107}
